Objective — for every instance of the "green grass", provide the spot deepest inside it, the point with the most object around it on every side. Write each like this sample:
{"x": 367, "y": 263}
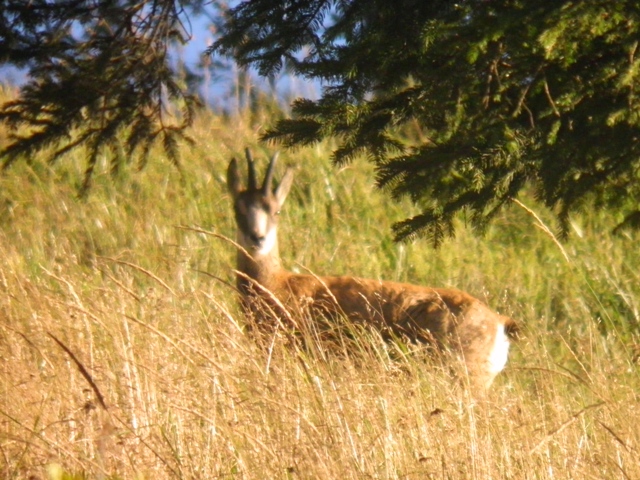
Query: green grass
{"x": 190, "y": 396}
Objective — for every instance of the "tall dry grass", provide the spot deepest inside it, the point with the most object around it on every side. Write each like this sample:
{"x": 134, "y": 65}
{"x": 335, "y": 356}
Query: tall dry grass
{"x": 146, "y": 309}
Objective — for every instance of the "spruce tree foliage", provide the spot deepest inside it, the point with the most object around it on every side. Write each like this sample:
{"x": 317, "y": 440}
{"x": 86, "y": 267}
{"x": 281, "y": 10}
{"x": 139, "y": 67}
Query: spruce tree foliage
{"x": 461, "y": 105}
{"x": 99, "y": 76}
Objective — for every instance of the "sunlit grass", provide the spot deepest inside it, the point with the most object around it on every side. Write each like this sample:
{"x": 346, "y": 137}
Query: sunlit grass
{"x": 148, "y": 309}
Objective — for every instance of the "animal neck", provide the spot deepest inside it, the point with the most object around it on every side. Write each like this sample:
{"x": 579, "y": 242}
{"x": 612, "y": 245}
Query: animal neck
{"x": 260, "y": 267}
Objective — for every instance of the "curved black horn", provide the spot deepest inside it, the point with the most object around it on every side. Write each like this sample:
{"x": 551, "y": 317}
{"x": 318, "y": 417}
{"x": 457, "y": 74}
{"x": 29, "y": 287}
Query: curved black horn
{"x": 268, "y": 178}
{"x": 252, "y": 170}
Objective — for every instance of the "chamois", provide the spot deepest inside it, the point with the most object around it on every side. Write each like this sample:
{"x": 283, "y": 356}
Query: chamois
{"x": 444, "y": 317}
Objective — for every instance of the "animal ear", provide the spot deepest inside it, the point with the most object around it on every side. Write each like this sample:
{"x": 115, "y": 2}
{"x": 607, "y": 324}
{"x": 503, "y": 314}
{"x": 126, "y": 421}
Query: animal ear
{"x": 285, "y": 185}
{"x": 233, "y": 178}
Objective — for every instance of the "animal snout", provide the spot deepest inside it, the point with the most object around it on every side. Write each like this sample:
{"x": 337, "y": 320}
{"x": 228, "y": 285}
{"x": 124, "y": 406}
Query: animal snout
{"x": 257, "y": 239}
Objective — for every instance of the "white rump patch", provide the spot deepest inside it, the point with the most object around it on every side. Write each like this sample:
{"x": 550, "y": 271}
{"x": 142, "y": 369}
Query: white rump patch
{"x": 500, "y": 351}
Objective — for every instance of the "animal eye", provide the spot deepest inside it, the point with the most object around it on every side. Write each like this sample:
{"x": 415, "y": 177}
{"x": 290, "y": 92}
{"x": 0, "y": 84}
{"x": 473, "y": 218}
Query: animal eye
{"x": 277, "y": 212}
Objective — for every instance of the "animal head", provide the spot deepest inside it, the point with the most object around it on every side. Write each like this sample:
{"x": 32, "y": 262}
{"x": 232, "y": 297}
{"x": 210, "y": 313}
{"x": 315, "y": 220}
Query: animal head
{"x": 256, "y": 207}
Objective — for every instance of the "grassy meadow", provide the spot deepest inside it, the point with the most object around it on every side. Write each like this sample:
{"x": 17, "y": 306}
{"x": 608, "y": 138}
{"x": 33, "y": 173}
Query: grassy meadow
{"x": 114, "y": 285}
